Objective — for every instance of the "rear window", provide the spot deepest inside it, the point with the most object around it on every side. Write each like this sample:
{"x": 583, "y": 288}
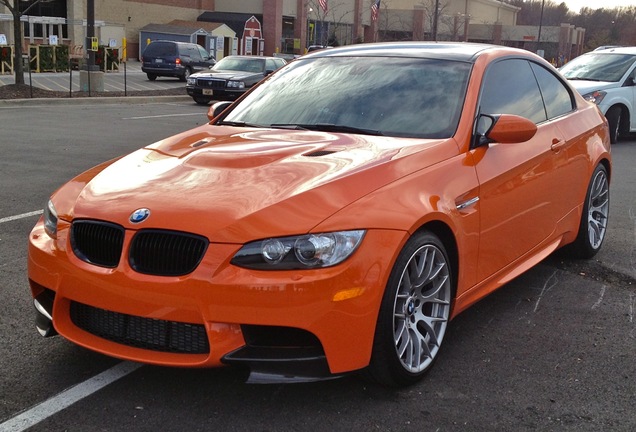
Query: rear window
{"x": 160, "y": 49}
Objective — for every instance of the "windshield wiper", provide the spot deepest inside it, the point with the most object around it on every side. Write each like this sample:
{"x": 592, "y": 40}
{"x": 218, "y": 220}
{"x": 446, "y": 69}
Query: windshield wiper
{"x": 287, "y": 126}
{"x": 584, "y": 79}
{"x": 239, "y": 124}
{"x": 328, "y": 127}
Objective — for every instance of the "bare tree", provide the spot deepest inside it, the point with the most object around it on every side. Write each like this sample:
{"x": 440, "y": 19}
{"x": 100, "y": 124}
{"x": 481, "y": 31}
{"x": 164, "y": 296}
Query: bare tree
{"x": 606, "y": 26}
{"x": 14, "y": 8}
{"x": 441, "y": 15}
{"x": 394, "y": 26}
{"x": 454, "y": 25}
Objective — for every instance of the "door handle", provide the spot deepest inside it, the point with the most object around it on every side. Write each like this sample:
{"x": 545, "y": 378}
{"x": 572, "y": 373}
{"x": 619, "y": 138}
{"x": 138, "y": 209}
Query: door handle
{"x": 557, "y": 145}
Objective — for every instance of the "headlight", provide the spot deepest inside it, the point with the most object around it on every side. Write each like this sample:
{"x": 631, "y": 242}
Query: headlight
{"x": 50, "y": 220}
{"x": 236, "y": 84}
{"x": 299, "y": 252}
{"x": 191, "y": 81}
{"x": 595, "y": 97}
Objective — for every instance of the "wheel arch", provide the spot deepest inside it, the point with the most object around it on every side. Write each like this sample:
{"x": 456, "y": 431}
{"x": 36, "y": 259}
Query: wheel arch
{"x": 625, "y": 114}
{"x": 608, "y": 167}
{"x": 384, "y": 367}
{"x": 445, "y": 233}
{"x": 618, "y": 104}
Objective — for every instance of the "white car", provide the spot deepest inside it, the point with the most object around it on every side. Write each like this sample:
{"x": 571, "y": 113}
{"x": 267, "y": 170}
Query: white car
{"x": 608, "y": 78}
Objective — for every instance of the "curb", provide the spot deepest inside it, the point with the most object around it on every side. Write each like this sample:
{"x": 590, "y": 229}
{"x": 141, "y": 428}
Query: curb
{"x": 102, "y": 100}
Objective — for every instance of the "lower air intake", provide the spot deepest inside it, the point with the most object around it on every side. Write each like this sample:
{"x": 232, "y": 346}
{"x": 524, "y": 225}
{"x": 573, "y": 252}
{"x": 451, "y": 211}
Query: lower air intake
{"x": 147, "y": 333}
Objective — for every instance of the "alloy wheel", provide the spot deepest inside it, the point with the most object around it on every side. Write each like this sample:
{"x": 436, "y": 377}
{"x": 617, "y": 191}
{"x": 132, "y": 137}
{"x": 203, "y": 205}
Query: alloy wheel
{"x": 421, "y": 308}
{"x": 598, "y": 209}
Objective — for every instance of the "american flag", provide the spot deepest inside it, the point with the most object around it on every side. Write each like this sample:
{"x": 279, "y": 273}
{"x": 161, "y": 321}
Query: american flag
{"x": 375, "y": 10}
{"x": 323, "y": 5}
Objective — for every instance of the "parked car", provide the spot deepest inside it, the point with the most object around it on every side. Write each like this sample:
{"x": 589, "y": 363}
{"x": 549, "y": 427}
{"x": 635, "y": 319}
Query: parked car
{"x": 174, "y": 59}
{"x": 231, "y": 77}
{"x": 607, "y": 77}
{"x": 313, "y": 48}
{"x": 334, "y": 219}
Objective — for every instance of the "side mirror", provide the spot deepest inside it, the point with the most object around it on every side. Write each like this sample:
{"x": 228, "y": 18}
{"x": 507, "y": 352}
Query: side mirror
{"x": 503, "y": 129}
{"x": 216, "y": 109}
{"x": 629, "y": 82}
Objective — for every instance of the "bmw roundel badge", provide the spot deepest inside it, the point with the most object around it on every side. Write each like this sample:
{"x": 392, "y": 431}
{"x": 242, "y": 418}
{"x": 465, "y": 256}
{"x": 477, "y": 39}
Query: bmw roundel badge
{"x": 139, "y": 215}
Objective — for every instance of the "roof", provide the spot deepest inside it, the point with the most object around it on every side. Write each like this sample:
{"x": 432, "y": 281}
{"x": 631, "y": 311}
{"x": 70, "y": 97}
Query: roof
{"x": 196, "y": 25}
{"x": 235, "y": 21}
{"x": 180, "y": 27}
{"x": 166, "y": 28}
{"x": 614, "y": 50}
{"x": 460, "y": 51}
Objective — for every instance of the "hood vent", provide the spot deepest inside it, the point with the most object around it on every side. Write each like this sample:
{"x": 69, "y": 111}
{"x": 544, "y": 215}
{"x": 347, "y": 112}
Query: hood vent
{"x": 319, "y": 153}
{"x": 200, "y": 143}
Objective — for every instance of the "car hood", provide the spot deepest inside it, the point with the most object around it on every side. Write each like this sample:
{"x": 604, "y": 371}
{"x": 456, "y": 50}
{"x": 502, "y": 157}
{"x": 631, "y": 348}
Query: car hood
{"x": 585, "y": 87}
{"x": 238, "y": 184}
{"x": 226, "y": 75}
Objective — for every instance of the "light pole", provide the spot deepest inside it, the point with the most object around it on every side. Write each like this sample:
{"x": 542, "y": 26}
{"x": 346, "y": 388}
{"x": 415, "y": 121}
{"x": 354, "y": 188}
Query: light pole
{"x": 90, "y": 33}
{"x": 435, "y": 19}
{"x": 540, "y": 25}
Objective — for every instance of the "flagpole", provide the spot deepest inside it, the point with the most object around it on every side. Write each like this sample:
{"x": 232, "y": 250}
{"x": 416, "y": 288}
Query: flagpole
{"x": 325, "y": 7}
{"x": 375, "y": 12}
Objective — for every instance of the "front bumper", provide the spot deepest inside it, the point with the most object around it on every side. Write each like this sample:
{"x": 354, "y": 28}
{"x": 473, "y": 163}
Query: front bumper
{"x": 260, "y": 319}
{"x": 216, "y": 94}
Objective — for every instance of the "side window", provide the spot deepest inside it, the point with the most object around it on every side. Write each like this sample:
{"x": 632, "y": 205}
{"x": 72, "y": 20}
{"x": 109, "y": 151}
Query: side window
{"x": 557, "y": 98}
{"x": 203, "y": 52}
{"x": 271, "y": 65}
{"x": 192, "y": 52}
{"x": 510, "y": 87}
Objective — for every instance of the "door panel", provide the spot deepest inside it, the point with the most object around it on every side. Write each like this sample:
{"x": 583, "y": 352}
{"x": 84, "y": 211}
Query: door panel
{"x": 518, "y": 210}
{"x": 518, "y": 182}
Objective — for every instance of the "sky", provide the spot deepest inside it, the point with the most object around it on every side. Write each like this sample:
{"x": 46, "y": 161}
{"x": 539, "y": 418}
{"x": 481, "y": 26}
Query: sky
{"x": 576, "y": 5}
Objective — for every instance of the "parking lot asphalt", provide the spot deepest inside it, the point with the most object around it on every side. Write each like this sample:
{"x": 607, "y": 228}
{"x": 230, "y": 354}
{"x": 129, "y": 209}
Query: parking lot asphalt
{"x": 129, "y": 78}
{"x": 91, "y": 100}
{"x": 551, "y": 351}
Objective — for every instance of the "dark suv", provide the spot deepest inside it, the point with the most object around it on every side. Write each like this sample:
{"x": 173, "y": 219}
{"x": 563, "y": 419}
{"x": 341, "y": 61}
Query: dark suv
{"x": 174, "y": 59}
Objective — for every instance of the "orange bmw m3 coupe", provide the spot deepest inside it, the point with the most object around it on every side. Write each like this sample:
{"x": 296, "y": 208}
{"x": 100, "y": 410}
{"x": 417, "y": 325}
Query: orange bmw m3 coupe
{"x": 334, "y": 219}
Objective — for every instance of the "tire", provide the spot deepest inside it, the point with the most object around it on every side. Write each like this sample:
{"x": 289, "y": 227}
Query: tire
{"x": 151, "y": 76}
{"x": 614, "y": 115}
{"x": 414, "y": 314}
{"x": 593, "y": 226}
{"x": 186, "y": 74}
{"x": 201, "y": 100}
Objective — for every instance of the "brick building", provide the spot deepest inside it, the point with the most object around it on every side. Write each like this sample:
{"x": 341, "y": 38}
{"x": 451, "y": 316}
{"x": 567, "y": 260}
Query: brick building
{"x": 287, "y": 26}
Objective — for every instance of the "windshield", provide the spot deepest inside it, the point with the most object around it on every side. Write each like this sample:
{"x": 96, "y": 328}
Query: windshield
{"x": 240, "y": 64}
{"x": 598, "y": 67}
{"x": 392, "y": 96}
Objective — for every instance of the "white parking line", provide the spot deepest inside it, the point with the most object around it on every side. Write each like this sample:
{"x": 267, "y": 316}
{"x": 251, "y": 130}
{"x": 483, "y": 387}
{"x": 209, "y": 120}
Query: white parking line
{"x": 20, "y": 216}
{"x": 67, "y": 398}
{"x": 160, "y": 116}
